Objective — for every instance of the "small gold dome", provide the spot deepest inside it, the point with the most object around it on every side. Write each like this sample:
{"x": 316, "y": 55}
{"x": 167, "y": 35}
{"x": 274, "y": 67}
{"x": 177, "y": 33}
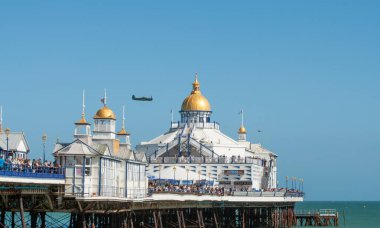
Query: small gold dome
{"x": 105, "y": 113}
{"x": 242, "y": 130}
{"x": 122, "y": 132}
{"x": 82, "y": 121}
{"x": 196, "y": 101}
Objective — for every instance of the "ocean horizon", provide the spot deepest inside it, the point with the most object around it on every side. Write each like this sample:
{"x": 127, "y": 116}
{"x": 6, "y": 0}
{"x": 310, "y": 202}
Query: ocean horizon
{"x": 351, "y": 213}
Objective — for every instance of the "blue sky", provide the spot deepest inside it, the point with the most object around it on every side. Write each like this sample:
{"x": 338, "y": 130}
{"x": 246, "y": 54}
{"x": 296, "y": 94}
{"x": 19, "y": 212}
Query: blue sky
{"x": 305, "y": 72}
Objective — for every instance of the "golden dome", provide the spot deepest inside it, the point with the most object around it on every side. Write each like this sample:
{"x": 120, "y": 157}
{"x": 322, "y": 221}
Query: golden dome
{"x": 122, "y": 132}
{"x": 242, "y": 130}
{"x": 105, "y": 113}
{"x": 196, "y": 101}
{"x": 82, "y": 121}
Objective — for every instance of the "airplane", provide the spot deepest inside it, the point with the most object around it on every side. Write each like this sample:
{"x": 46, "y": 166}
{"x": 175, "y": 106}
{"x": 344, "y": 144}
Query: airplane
{"x": 142, "y": 98}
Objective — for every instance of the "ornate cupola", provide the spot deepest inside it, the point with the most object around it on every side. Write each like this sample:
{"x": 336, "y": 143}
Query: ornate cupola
{"x": 123, "y": 135}
{"x": 242, "y": 132}
{"x": 82, "y": 127}
{"x": 104, "y": 122}
{"x": 195, "y": 108}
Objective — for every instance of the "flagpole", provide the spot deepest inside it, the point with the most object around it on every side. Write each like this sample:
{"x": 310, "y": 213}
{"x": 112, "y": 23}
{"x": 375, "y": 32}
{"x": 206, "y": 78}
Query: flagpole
{"x": 123, "y": 116}
{"x": 83, "y": 105}
{"x": 105, "y": 96}
{"x": 242, "y": 118}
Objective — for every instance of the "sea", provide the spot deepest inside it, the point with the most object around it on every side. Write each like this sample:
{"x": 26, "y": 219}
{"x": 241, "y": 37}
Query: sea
{"x": 361, "y": 214}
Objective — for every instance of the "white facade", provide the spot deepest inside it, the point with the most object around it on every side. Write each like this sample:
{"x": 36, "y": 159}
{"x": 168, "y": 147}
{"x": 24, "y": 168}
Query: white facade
{"x": 99, "y": 164}
{"x": 13, "y": 145}
{"x": 195, "y": 150}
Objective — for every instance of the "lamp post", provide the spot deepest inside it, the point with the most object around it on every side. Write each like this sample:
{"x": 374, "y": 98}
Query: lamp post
{"x": 299, "y": 184}
{"x": 44, "y": 137}
{"x": 187, "y": 178}
{"x": 209, "y": 178}
{"x": 7, "y": 131}
{"x": 292, "y": 183}
{"x": 174, "y": 169}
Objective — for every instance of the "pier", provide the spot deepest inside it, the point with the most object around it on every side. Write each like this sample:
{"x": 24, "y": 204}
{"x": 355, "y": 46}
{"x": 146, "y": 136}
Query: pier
{"x": 322, "y": 217}
{"x": 41, "y": 205}
{"x": 193, "y": 175}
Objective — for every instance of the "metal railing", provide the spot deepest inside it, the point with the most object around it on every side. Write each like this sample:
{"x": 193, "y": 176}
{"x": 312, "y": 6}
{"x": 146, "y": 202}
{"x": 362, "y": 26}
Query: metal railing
{"x": 209, "y": 125}
{"x": 13, "y": 170}
{"x": 268, "y": 194}
{"x": 320, "y": 212}
{"x": 112, "y": 191}
{"x": 223, "y": 192}
{"x": 207, "y": 160}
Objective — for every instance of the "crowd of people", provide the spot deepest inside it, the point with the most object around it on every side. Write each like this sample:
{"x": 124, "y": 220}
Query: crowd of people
{"x": 192, "y": 188}
{"x": 155, "y": 187}
{"x": 28, "y": 165}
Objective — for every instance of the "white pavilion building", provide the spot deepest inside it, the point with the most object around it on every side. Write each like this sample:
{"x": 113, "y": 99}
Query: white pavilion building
{"x": 196, "y": 150}
{"x": 101, "y": 162}
{"x": 12, "y": 144}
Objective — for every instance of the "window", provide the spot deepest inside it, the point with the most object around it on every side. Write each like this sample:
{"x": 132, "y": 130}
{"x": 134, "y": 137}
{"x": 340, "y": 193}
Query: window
{"x": 78, "y": 160}
{"x": 87, "y": 171}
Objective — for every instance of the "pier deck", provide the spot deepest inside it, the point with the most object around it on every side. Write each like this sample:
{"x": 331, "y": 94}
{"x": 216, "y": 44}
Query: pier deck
{"x": 34, "y": 205}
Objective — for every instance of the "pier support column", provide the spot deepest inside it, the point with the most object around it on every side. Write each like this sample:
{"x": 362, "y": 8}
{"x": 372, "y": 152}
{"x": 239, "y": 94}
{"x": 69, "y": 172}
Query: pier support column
{"x": 33, "y": 219}
{"x": 13, "y": 224}
{"x": 22, "y": 213}
{"x": 200, "y": 218}
{"x": 2, "y": 216}
{"x": 243, "y": 218}
{"x": 215, "y": 218}
{"x": 43, "y": 219}
{"x": 179, "y": 219}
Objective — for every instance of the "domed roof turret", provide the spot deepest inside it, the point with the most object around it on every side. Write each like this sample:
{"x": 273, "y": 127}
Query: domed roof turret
{"x": 196, "y": 101}
{"x": 242, "y": 130}
{"x": 105, "y": 113}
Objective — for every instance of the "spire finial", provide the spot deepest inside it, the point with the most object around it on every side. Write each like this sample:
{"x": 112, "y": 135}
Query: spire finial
{"x": 123, "y": 117}
{"x": 196, "y": 85}
{"x": 104, "y": 99}
{"x": 242, "y": 129}
{"x": 123, "y": 132}
{"x": 83, "y": 119}
{"x": 242, "y": 117}
{"x": 105, "y": 96}
{"x": 83, "y": 105}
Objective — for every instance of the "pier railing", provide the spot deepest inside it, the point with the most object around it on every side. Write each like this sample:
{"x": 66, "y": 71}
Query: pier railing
{"x": 32, "y": 172}
{"x": 233, "y": 193}
{"x": 322, "y": 217}
{"x": 207, "y": 160}
{"x": 320, "y": 212}
{"x": 209, "y": 125}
